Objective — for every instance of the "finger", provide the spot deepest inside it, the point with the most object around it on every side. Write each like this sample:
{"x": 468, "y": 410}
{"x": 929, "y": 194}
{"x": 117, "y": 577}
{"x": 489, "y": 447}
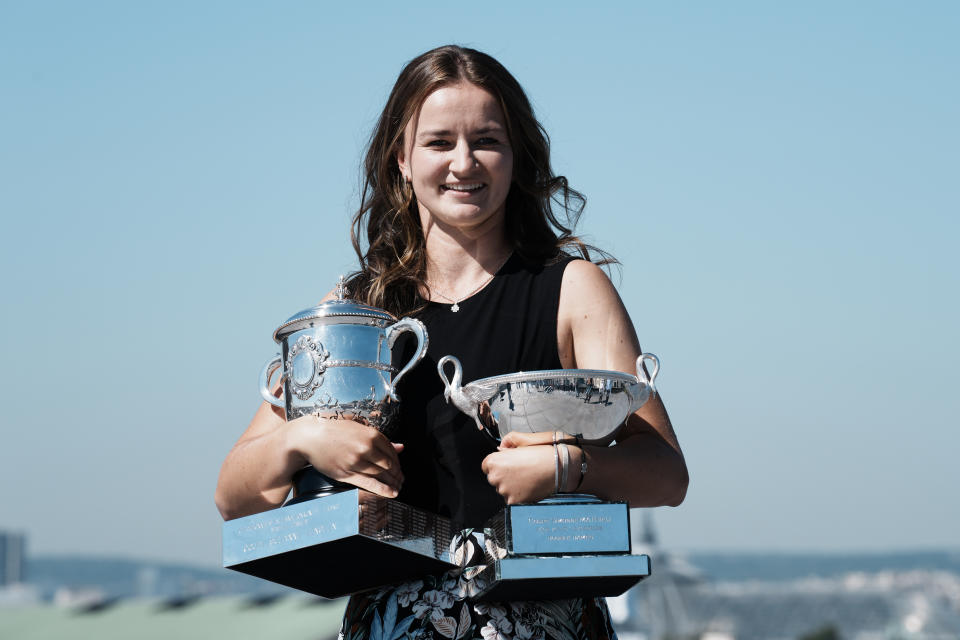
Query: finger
{"x": 385, "y": 449}
{"x": 379, "y": 452}
{"x": 518, "y": 439}
{"x": 378, "y": 459}
{"x": 377, "y": 466}
{"x": 392, "y": 476}
{"x": 510, "y": 441}
{"x": 486, "y": 464}
{"x": 373, "y": 485}
{"x": 360, "y": 458}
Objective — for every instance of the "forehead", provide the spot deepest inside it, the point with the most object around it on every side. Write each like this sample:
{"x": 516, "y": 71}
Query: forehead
{"x": 459, "y": 106}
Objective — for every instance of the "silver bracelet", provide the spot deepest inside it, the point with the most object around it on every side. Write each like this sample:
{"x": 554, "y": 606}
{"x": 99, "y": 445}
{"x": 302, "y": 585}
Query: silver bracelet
{"x": 556, "y": 469}
{"x": 565, "y": 468}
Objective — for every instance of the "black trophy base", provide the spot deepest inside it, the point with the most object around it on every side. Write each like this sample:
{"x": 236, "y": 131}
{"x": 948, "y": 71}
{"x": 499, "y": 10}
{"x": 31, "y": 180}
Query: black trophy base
{"x": 560, "y": 577}
{"x": 308, "y": 483}
{"x": 333, "y": 546}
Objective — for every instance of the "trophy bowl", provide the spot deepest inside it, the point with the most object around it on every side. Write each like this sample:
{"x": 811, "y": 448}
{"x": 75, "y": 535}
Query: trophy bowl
{"x": 590, "y": 404}
{"x": 336, "y": 362}
{"x": 568, "y": 545}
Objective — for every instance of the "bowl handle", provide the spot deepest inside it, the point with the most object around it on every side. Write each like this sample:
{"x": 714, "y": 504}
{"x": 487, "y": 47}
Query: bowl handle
{"x": 272, "y": 365}
{"x": 655, "y": 369}
{"x": 462, "y": 397}
{"x": 450, "y": 385}
{"x": 417, "y": 328}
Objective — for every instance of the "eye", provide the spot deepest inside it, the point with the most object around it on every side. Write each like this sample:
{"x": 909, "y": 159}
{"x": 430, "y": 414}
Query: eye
{"x": 487, "y": 141}
{"x": 437, "y": 143}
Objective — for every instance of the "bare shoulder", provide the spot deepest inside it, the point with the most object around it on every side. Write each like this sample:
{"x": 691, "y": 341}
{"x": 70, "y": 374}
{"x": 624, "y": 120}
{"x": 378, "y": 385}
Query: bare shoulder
{"x": 593, "y": 327}
{"x": 585, "y": 283}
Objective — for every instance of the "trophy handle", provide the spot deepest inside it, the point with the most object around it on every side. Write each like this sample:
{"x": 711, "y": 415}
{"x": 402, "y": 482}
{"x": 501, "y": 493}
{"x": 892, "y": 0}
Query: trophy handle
{"x": 272, "y": 365}
{"x": 450, "y": 385}
{"x": 393, "y": 332}
{"x": 655, "y": 369}
{"x": 462, "y": 397}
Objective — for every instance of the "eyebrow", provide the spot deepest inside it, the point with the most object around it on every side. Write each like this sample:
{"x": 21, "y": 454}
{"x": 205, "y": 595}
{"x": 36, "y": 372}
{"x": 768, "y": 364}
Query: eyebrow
{"x": 446, "y": 132}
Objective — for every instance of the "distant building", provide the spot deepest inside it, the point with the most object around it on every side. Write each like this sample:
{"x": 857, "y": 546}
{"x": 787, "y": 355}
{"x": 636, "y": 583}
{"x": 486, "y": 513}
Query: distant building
{"x": 13, "y": 558}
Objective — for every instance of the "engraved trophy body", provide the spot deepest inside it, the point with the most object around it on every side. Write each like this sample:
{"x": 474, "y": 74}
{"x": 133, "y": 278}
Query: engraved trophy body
{"x": 571, "y": 544}
{"x": 328, "y": 539}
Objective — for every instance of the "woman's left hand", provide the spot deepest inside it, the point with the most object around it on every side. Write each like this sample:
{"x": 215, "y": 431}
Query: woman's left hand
{"x": 521, "y": 473}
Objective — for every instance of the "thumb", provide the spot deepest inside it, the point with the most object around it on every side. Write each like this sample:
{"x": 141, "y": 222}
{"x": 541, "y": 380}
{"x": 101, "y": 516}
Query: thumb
{"x": 515, "y": 439}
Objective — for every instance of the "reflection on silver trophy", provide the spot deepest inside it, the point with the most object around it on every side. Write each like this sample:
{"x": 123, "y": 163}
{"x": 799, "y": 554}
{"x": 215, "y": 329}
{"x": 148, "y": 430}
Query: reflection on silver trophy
{"x": 568, "y": 545}
{"x": 335, "y": 362}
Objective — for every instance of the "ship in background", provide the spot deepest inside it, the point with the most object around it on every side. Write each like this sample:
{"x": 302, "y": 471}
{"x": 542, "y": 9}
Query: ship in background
{"x": 679, "y": 601}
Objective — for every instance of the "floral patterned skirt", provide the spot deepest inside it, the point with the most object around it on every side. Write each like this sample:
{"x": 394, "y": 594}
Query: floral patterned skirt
{"x": 435, "y": 608}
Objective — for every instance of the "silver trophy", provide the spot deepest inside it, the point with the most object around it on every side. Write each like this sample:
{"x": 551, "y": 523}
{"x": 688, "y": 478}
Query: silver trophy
{"x": 568, "y": 545}
{"x": 329, "y": 539}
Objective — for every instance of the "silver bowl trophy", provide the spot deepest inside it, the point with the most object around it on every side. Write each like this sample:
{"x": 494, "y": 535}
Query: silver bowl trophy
{"x": 336, "y": 363}
{"x": 568, "y": 545}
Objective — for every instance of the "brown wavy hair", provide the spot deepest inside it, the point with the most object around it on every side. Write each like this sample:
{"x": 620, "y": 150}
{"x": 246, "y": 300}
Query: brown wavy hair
{"x": 393, "y": 262}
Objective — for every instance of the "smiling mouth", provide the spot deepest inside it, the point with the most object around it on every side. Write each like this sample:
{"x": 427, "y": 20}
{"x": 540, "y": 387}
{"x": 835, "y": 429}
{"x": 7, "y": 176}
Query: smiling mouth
{"x": 462, "y": 188}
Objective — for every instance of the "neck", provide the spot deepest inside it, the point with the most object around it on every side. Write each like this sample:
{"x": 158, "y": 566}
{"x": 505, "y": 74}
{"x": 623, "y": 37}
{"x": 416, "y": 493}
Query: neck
{"x": 459, "y": 260}
{"x": 455, "y": 273}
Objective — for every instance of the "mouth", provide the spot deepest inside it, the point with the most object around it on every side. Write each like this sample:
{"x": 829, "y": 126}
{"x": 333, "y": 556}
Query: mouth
{"x": 462, "y": 187}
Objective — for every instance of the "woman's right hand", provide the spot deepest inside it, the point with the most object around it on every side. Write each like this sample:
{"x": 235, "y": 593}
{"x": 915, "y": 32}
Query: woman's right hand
{"x": 348, "y": 451}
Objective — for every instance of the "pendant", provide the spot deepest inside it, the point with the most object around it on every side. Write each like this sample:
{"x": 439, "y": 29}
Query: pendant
{"x": 455, "y": 307}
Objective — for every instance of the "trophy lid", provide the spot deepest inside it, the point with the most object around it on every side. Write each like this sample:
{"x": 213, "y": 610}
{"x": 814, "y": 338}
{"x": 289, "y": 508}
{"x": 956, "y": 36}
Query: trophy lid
{"x": 340, "y": 310}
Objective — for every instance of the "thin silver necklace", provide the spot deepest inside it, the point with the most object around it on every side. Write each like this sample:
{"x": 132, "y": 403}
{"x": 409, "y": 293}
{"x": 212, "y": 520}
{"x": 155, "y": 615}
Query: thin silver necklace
{"x": 455, "y": 307}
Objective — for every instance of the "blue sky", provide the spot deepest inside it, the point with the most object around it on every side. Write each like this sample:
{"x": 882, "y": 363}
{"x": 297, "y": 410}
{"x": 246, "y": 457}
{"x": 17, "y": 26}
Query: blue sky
{"x": 779, "y": 182}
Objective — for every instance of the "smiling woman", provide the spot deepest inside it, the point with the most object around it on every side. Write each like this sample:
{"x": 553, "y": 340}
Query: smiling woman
{"x": 457, "y": 157}
{"x": 458, "y": 106}
{"x": 458, "y": 212}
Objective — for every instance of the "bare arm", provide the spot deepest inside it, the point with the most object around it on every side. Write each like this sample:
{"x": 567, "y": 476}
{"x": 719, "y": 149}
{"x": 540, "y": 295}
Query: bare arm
{"x": 257, "y": 472}
{"x": 646, "y": 466}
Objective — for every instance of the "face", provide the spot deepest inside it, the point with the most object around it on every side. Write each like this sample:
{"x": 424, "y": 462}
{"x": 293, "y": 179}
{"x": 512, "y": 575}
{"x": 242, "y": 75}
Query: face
{"x": 458, "y": 156}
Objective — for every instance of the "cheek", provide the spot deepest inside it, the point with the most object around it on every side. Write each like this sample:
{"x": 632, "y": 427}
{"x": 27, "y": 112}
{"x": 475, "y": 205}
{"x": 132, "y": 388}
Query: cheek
{"x": 427, "y": 167}
{"x": 499, "y": 165}
{"x": 506, "y": 164}
{"x": 506, "y": 170}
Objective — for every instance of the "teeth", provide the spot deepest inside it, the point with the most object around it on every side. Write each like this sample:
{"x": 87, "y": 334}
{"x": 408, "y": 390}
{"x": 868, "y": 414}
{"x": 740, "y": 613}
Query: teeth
{"x": 462, "y": 187}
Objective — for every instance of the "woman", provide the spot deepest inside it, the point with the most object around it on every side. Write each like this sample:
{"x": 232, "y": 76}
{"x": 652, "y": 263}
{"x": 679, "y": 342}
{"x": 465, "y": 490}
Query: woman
{"x": 460, "y": 230}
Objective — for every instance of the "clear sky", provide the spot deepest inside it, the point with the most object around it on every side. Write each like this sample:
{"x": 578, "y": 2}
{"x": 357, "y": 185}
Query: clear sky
{"x": 780, "y": 183}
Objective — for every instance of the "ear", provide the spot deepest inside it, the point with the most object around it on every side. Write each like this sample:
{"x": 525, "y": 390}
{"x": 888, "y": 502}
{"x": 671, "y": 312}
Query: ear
{"x": 402, "y": 163}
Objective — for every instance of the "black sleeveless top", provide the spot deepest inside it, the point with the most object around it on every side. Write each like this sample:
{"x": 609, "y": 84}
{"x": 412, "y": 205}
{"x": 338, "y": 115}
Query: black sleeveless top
{"x": 510, "y": 325}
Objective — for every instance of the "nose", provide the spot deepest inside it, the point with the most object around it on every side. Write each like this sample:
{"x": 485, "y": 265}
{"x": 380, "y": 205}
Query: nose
{"x": 462, "y": 159}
